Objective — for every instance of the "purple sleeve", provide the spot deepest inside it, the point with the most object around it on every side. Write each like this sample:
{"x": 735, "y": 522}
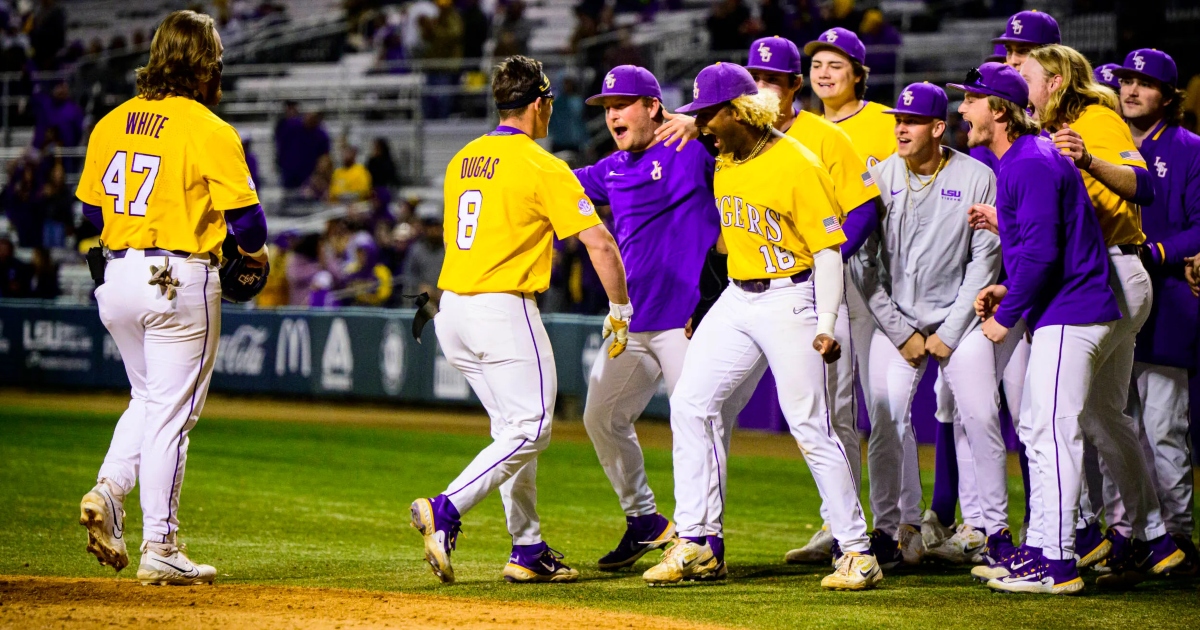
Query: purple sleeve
{"x": 1144, "y": 195}
{"x": 859, "y": 225}
{"x": 1038, "y": 224}
{"x": 95, "y": 215}
{"x": 592, "y": 179}
{"x": 1187, "y": 242}
{"x": 248, "y": 226}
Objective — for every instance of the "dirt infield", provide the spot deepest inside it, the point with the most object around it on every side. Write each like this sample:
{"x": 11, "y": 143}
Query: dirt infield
{"x": 27, "y": 602}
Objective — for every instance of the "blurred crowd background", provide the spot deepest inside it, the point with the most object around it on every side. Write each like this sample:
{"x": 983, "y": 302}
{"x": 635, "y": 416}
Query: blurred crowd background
{"x": 349, "y": 110}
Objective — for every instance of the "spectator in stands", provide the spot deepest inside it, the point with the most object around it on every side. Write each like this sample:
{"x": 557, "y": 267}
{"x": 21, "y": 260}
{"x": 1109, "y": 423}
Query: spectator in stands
{"x": 301, "y": 267}
{"x": 568, "y": 127}
{"x": 513, "y": 32}
{"x": 843, "y": 13}
{"x": 58, "y": 110}
{"x": 57, "y": 205}
{"x": 251, "y": 160}
{"x": 317, "y": 186}
{"x": 20, "y": 204}
{"x": 477, "y": 26}
{"x": 882, "y": 41}
{"x": 351, "y": 181}
{"x": 14, "y": 274}
{"x": 368, "y": 282}
{"x": 423, "y": 262}
{"x": 48, "y": 34}
{"x": 300, "y": 142}
{"x": 14, "y": 48}
{"x": 381, "y": 166}
{"x": 43, "y": 279}
{"x": 443, "y": 37}
{"x": 391, "y": 251}
{"x": 730, "y": 26}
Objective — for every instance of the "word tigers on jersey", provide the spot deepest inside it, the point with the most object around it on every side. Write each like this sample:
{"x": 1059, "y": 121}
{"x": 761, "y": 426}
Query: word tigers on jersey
{"x": 479, "y": 167}
{"x": 731, "y": 216}
{"x": 144, "y": 124}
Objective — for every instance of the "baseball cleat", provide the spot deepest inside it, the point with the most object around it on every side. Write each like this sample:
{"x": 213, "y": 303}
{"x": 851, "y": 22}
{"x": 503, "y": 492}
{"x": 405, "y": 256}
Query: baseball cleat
{"x": 818, "y": 550}
{"x": 642, "y": 533}
{"x": 1120, "y": 570}
{"x": 1191, "y": 563}
{"x": 854, "y": 572}
{"x": 1163, "y": 556}
{"x": 933, "y": 533}
{"x": 537, "y": 563}
{"x": 165, "y": 564}
{"x": 684, "y": 560}
{"x": 911, "y": 545}
{"x": 102, "y": 512}
{"x": 999, "y": 546}
{"x": 1047, "y": 577}
{"x": 884, "y": 549}
{"x": 966, "y": 546}
{"x": 1091, "y": 546}
{"x": 717, "y": 545}
{"x": 437, "y": 520}
{"x": 1021, "y": 559}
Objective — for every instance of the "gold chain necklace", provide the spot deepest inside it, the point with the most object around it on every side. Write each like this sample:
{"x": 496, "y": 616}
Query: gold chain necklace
{"x": 908, "y": 179}
{"x": 762, "y": 142}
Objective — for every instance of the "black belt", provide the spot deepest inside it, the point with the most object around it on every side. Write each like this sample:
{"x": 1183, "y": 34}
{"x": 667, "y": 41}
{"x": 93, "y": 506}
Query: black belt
{"x": 1130, "y": 250}
{"x": 760, "y": 286}
{"x": 154, "y": 251}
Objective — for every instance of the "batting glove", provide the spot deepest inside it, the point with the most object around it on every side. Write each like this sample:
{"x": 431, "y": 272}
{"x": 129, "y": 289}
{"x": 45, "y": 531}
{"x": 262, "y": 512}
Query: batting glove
{"x": 617, "y": 324}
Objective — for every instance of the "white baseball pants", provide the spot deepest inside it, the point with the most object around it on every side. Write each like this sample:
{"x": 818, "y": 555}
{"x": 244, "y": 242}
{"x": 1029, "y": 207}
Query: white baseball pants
{"x": 742, "y": 327}
{"x": 1163, "y": 419}
{"x": 168, "y": 348}
{"x": 969, "y": 376}
{"x": 499, "y": 344}
{"x": 968, "y": 494}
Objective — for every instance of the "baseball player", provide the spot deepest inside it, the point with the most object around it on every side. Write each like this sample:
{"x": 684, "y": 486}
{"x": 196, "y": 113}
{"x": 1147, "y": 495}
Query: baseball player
{"x": 1058, "y": 281}
{"x": 163, "y": 178}
{"x": 662, "y": 207}
{"x": 782, "y": 236}
{"x": 1165, "y": 349}
{"x": 1068, "y": 103}
{"x": 1105, "y": 74}
{"x": 1025, "y": 32}
{"x": 506, "y": 198}
{"x": 921, "y": 284}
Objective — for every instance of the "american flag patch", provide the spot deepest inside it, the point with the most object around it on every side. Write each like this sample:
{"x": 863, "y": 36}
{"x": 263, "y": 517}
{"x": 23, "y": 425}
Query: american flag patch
{"x": 831, "y": 225}
{"x": 1132, "y": 155}
{"x": 868, "y": 179}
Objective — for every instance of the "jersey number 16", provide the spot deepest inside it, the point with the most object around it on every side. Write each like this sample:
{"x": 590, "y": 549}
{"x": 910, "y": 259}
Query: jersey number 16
{"x": 114, "y": 181}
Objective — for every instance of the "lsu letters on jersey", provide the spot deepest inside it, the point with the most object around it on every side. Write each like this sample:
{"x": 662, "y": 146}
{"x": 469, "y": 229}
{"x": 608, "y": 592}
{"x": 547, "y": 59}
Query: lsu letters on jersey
{"x": 163, "y": 172}
{"x": 1108, "y": 138}
{"x": 505, "y": 198}
{"x": 872, "y": 132}
{"x": 851, "y": 182}
{"x": 772, "y": 224}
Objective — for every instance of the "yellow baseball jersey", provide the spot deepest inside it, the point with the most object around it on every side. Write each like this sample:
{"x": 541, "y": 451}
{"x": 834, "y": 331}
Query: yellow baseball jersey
{"x": 350, "y": 182}
{"x": 506, "y": 197}
{"x": 772, "y": 224}
{"x": 872, "y": 132}
{"x": 852, "y": 183}
{"x": 1107, "y": 137}
{"x": 163, "y": 172}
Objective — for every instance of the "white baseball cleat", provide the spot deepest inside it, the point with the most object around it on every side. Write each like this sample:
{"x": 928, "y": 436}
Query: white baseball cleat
{"x": 933, "y": 533}
{"x": 684, "y": 560}
{"x": 165, "y": 564}
{"x": 854, "y": 572}
{"x": 102, "y": 512}
{"x": 912, "y": 546}
{"x": 964, "y": 547}
{"x": 818, "y": 550}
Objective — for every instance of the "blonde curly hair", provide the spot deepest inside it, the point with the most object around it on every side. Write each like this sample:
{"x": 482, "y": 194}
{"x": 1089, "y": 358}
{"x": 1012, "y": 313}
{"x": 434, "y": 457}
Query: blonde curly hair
{"x": 759, "y": 110}
{"x": 1079, "y": 87}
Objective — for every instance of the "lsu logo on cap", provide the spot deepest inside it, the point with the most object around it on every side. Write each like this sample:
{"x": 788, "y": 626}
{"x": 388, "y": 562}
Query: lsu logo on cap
{"x": 1016, "y": 26}
{"x": 586, "y": 208}
{"x": 764, "y": 52}
{"x": 696, "y": 90}
{"x": 830, "y": 36}
{"x": 907, "y": 97}
{"x": 610, "y": 81}
{"x": 1107, "y": 74}
{"x": 1138, "y": 61}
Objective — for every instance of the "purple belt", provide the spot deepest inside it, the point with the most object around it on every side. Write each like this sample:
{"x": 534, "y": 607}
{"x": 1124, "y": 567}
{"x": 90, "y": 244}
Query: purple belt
{"x": 761, "y": 286}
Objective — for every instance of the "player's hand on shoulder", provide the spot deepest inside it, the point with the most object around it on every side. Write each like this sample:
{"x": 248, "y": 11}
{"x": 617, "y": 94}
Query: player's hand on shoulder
{"x": 829, "y": 348}
{"x": 679, "y": 127}
{"x": 1070, "y": 143}
{"x": 937, "y": 348}
{"x": 913, "y": 350}
{"x": 617, "y": 325}
{"x": 994, "y": 330}
{"x": 989, "y": 299}
{"x": 982, "y": 216}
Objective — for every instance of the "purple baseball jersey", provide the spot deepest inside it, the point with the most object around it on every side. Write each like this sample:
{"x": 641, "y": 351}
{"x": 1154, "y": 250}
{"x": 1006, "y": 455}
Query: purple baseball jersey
{"x": 1172, "y": 228}
{"x": 985, "y": 155}
{"x": 1050, "y": 240}
{"x": 666, "y": 221}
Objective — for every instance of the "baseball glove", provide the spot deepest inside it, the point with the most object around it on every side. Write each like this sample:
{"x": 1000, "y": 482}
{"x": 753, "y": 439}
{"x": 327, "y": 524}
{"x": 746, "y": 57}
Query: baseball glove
{"x": 241, "y": 279}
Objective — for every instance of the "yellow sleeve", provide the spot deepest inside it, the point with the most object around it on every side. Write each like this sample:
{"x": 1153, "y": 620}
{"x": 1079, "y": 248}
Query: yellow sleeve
{"x": 1107, "y": 137}
{"x": 848, "y": 172}
{"x": 815, "y": 212}
{"x": 564, "y": 202}
{"x": 223, "y": 165}
{"x": 91, "y": 186}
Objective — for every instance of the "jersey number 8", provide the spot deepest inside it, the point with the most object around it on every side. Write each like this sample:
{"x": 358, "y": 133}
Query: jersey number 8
{"x": 469, "y": 205}
{"x": 114, "y": 181}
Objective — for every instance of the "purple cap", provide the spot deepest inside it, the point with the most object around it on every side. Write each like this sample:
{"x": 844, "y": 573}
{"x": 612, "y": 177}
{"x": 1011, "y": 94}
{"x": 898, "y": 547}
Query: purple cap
{"x": 841, "y": 40}
{"x": 627, "y": 81}
{"x": 720, "y": 83}
{"x": 774, "y": 54}
{"x": 921, "y": 99}
{"x": 1105, "y": 75}
{"x": 1149, "y": 63}
{"x": 999, "y": 53}
{"x": 1030, "y": 27}
{"x": 996, "y": 79}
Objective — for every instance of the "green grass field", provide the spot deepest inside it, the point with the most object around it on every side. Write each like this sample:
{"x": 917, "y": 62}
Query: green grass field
{"x": 326, "y": 505}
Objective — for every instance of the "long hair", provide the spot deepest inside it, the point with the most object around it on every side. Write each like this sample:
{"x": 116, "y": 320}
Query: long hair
{"x": 1078, "y": 90}
{"x": 184, "y": 57}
